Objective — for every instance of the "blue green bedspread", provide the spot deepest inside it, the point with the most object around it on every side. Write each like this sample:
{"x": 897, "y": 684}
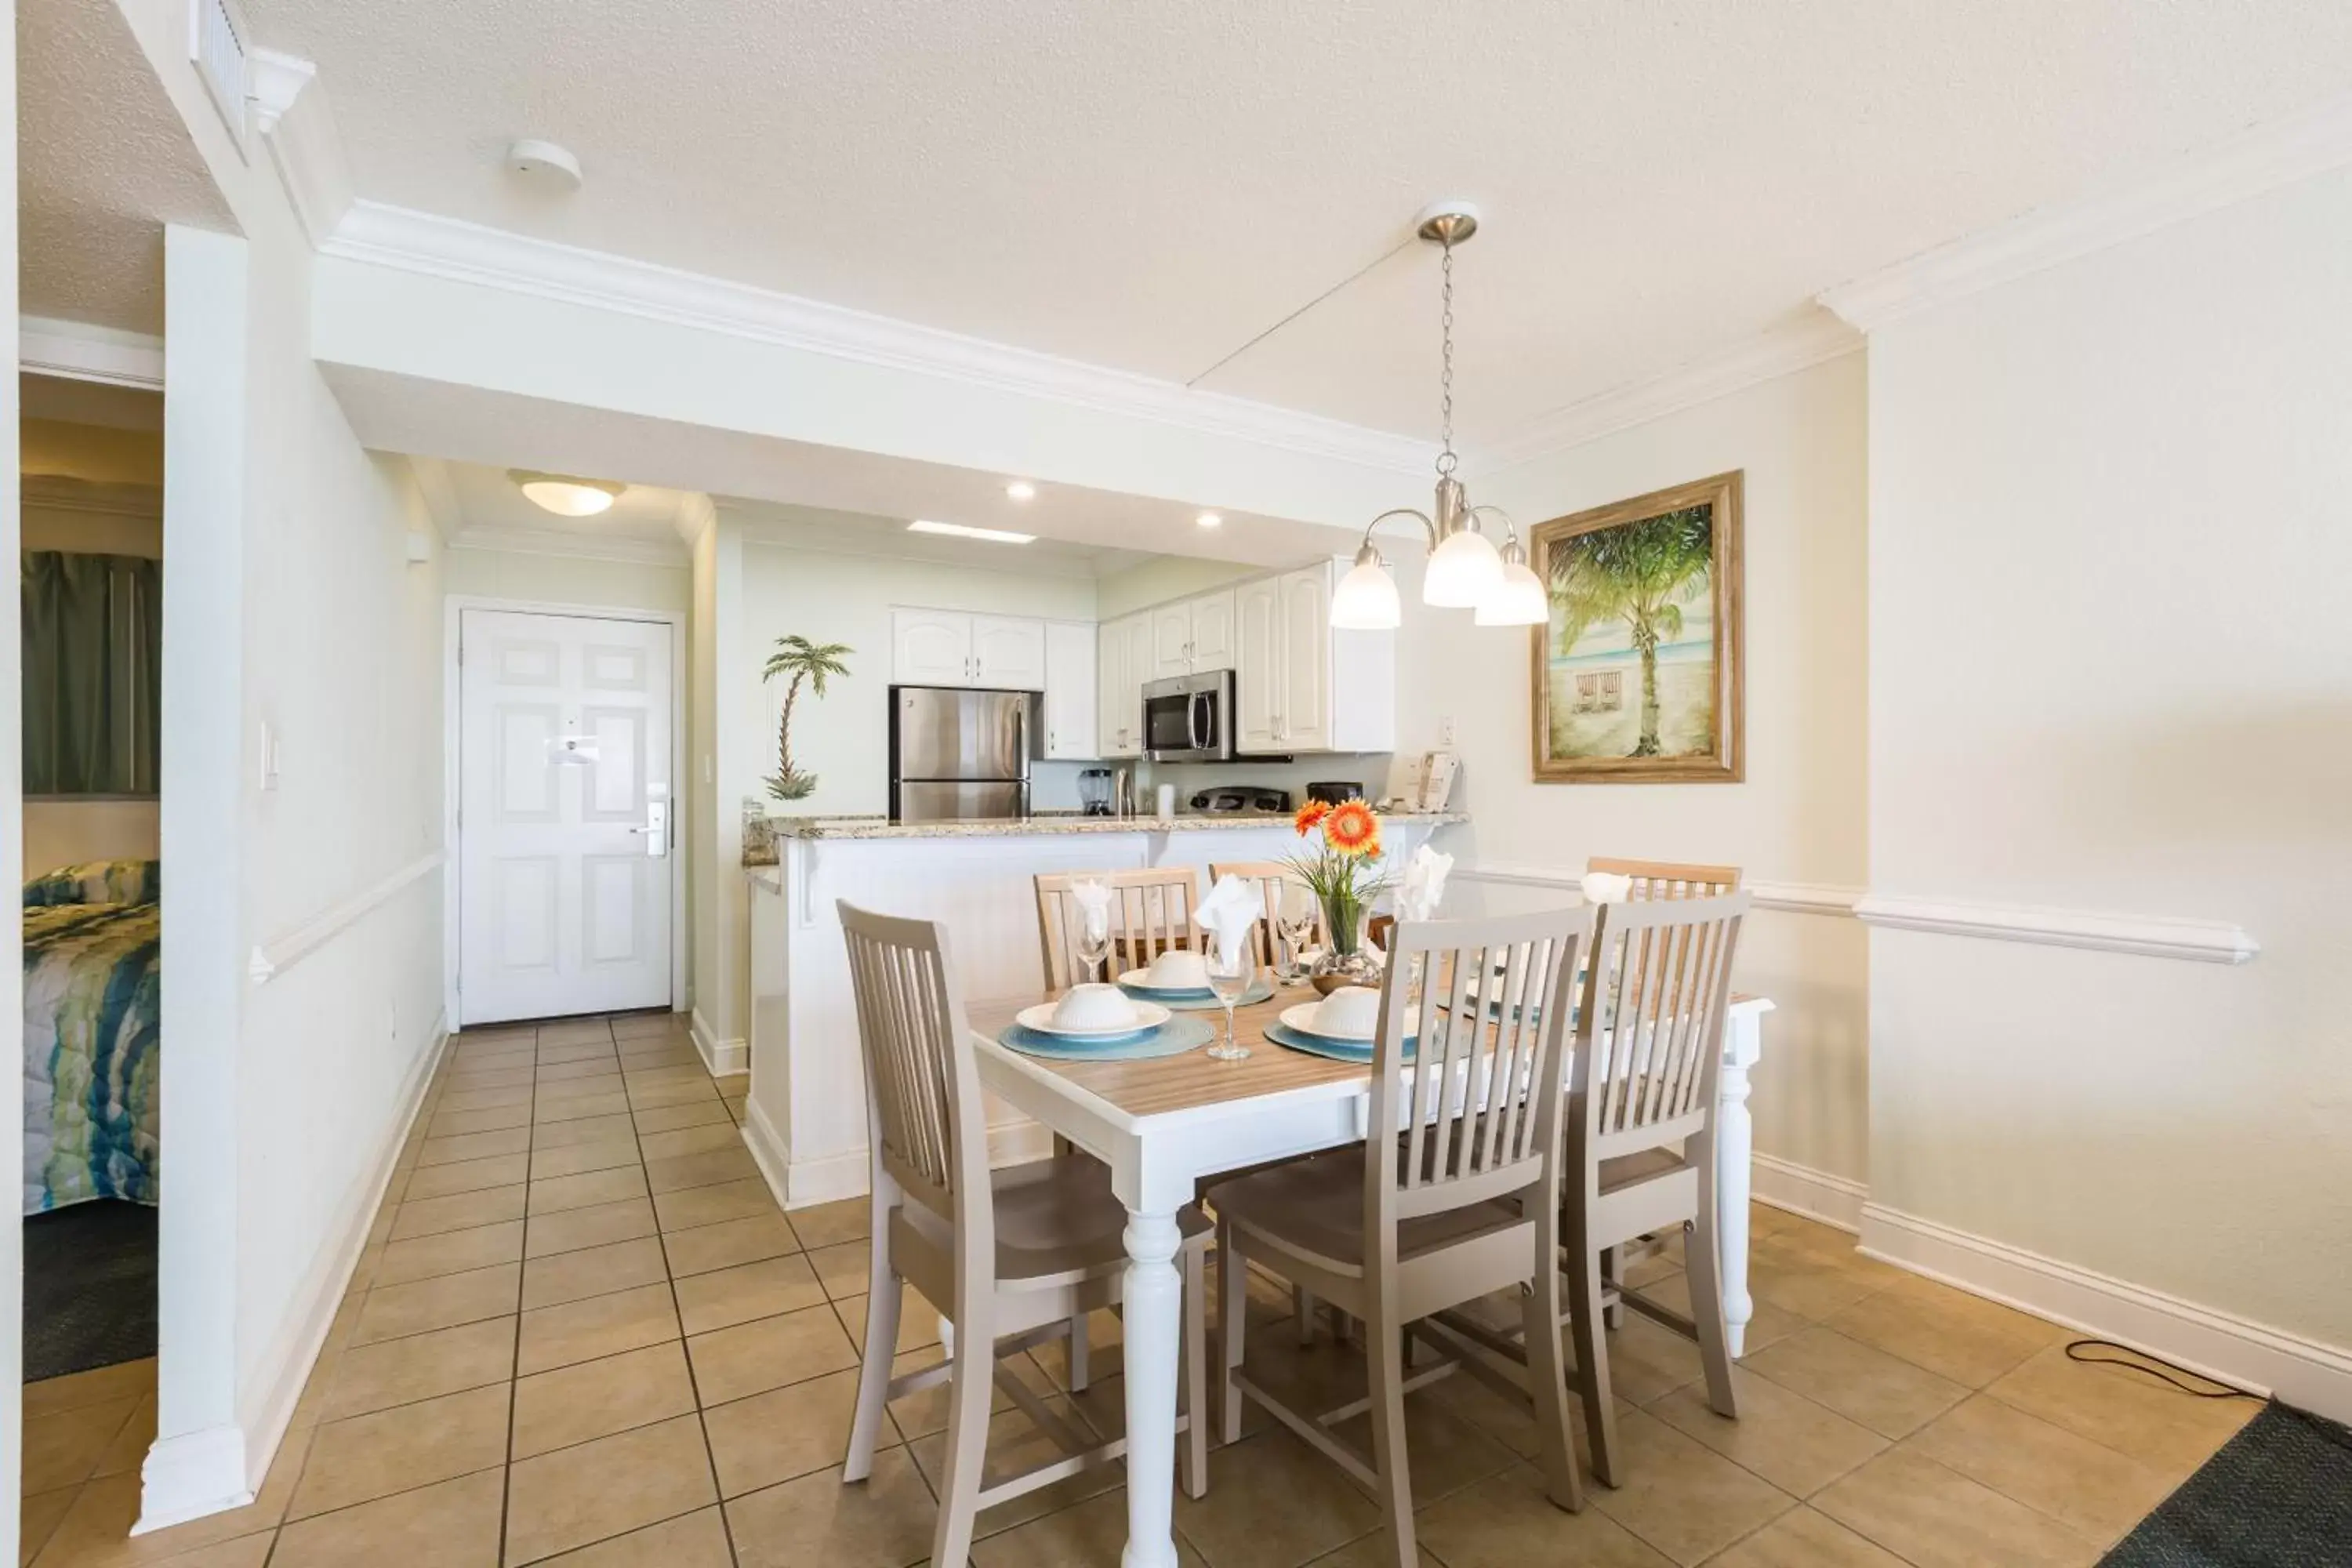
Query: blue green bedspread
{"x": 92, "y": 1071}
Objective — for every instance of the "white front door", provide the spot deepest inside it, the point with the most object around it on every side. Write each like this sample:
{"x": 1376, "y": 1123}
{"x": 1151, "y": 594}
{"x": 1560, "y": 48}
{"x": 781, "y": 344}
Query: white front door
{"x": 566, "y": 816}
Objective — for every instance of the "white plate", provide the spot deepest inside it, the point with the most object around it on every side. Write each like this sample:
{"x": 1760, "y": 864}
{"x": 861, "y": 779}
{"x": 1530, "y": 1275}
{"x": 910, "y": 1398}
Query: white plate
{"x": 1301, "y": 1018}
{"x": 1148, "y": 1016}
{"x": 1140, "y": 980}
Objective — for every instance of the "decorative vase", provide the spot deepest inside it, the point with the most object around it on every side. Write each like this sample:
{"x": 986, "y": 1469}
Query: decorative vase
{"x": 1343, "y": 961}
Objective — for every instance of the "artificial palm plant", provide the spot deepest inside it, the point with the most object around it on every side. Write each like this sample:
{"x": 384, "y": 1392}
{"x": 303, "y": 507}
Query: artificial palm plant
{"x": 1642, "y": 573}
{"x": 803, "y": 660}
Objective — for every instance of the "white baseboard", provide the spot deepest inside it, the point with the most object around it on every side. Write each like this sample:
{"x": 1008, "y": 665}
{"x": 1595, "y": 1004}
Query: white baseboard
{"x": 796, "y": 1184}
{"x": 197, "y": 1473}
{"x": 1816, "y": 1194}
{"x": 2249, "y": 1355}
{"x": 721, "y": 1058}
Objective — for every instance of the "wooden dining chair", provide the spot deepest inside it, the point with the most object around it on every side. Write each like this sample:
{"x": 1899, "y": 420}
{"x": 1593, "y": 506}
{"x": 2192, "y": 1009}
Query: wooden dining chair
{"x": 1011, "y": 1257}
{"x": 1668, "y": 878}
{"x": 1462, "y": 1203}
{"x": 1640, "y": 1132}
{"x": 1271, "y": 877}
{"x": 1151, "y": 911}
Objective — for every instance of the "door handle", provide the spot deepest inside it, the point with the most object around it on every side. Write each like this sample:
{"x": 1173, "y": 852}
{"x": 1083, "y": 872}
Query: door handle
{"x": 656, "y": 832}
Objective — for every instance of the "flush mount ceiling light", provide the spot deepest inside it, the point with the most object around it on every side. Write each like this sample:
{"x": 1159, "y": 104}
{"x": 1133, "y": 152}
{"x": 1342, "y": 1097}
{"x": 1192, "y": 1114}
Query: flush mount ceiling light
{"x": 958, "y": 530}
{"x": 564, "y": 494}
{"x": 1021, "y": 489}
{"x": 1210, "y": 520}
{"x": 543, "y": 165}
{"x": 1464, "y": 571}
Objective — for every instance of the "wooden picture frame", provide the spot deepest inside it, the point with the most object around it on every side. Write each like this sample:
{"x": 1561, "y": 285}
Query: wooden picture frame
{"x": 1607, "y": 709}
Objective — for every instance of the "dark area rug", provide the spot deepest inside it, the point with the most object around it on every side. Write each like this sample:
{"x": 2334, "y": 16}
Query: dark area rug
{"x": 90, "y": 1288}
{"x": 2278, "y": 1495}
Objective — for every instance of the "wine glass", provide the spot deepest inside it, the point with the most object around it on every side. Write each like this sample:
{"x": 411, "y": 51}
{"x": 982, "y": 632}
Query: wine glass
{"x": 1094, "y": 946}
{"x": 1232, "y": 970}
{"x": 1295, "y": 914}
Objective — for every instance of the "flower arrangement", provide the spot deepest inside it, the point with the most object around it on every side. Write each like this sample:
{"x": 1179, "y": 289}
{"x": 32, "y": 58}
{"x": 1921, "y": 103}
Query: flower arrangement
{"x": 1343, "y": 872}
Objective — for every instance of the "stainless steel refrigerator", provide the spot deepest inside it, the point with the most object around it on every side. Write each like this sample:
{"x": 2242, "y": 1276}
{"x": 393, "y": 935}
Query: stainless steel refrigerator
{"x": 957, "y": 754}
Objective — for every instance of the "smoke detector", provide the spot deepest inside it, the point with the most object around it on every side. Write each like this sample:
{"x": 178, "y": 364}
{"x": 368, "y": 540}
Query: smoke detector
{"x": 544, "y": 165}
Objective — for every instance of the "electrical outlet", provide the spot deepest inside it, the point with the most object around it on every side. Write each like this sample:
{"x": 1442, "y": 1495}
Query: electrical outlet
{"x": 1445, "y": 731}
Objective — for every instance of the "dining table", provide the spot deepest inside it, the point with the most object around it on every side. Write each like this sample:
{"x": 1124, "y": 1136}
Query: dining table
{"x": 1162, "y": 1124}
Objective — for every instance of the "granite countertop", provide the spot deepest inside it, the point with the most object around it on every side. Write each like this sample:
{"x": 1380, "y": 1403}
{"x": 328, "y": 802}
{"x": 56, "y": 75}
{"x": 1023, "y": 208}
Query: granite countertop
{"x": 782, "y": 827}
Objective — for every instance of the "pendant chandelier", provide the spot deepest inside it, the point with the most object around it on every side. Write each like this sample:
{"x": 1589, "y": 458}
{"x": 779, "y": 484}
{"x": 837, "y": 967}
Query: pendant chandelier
{"x": 1465, "y": 570}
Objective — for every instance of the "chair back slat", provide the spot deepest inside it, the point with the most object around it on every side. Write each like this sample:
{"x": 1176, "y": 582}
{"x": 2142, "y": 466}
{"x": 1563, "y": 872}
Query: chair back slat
{"x": 1651, "y": 1019}
{"x": 1271, "y": 877}
{"x": 1151, "y": 911}
{"x": 1670, "y": 878}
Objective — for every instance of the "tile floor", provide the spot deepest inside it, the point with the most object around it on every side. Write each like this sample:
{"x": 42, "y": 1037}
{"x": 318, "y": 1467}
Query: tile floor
{"x": 582, "y": 1333}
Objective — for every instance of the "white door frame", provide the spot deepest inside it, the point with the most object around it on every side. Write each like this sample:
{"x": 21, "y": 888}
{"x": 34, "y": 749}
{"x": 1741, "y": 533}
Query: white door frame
{"x": 454, "y": 608}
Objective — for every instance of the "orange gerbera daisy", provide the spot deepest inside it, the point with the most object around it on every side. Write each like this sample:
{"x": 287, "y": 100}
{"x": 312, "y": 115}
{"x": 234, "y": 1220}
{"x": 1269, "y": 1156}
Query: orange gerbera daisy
{"x": 1313, "y": 812}
{"x": 1353, "y": 829}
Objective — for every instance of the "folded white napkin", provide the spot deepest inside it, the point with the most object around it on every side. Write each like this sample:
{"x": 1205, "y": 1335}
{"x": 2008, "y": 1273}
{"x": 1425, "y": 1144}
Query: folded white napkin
{"x": 1424, "y": 884}
{"x": 1607, "y": 888}
{"x": 1229, "y": 912}
{"x": 1092, "y": 899}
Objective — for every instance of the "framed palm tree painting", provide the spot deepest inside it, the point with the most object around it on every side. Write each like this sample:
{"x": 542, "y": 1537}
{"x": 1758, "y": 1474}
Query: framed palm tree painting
{"x": 1637, "y": 668}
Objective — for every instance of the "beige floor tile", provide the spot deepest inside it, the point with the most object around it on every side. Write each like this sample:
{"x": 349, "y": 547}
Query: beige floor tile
{"x": 710, "y": 1246}
{"x": 1804, "y": 1539}
{"x": 1937, "y": 1518}
{"x": 598, "y": 1226}
{"x": 580, "y": 1108}
{"x": 1647, "y": 1361}
{"x": 752, "y": 1358}
{"x": 1769, "y": 1325}
{"x": 689, "y": 1141}
{"x": 1814, "y": 1273}
{"x": 592, "y": 1068}
{"x": 468, "y": 1177}
{"x": 1781, "y": 1435}
{"x": 1884, "y": 1392}
{"x": 1443, "y": 1453}
{"x": 784, "y": 1433}
{"x": 654, "y": 1096}
{"x": 484, "y": 1099}
{"x": 472, "y": 1146}
{"x": 924, "y": 1412}
{"x": 464, "y": 1077}
{"x": 1014, "y": 1443}
{"x": 129, "y": 1449}
{"x": 651, "y": 1056}
{"x": 585, "y": 1129}
{"x": 453, "y": 1524}
{"x": 1682, "y": 1497}
{"x": 1954, "y": 1335}
{"x": 919, "y": 1326}
{"x": 726, "y": 1297}
{"x": 582, "y": 1086}
{"x": 461, "y": 1211}
{"x": 124, "y": 1380}
{"x": 669, "y": 1077}
{"x": 564, "y": 1277}
{"x": 96, "y": 1531}
{"x": 452, "y": 1252}
{"x": 37, "y": 1516}
{"x": 576, "y": 1496}
{"x": 597, "y": 1398}
{"x": 884, "y": 1523}
{"x": 393, "y": 1312}
{"x": 574, "y": 1158}
{"x": 573, "y": 1031}
{"x": 458, "y": 1123}
{"x": 424, "y": 1366}
{"x": 373, "y": 1456}
{"x": 697, "y": 1540}
{"x": 1372, "y": 1550}
{"x": 692, "y": 1206}
{"x": 841, "y": 1268}
{"x": 637, "y": 1026}
{"x": 707, "y": 1169}
{"x": 1272, "y": 1499}
{"x": 1507, "y": 1522}
{"x": 2080, "y": 1483}
{"x": 1092, "y": 1533}
{"x": 595, "y": 1327}
{"x": 63, "y": 1449}
{"x": 670, "y": 1118}
{"x": 2124, "y": 1410}
{"x": 580, "y": 1051}
{"x": 823, "y": 1225}
{"x": 588, "y": 1188}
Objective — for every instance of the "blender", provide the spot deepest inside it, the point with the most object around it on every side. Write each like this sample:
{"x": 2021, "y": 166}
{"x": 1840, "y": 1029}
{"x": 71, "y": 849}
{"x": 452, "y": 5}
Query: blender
{"x": 1094, "y": 791}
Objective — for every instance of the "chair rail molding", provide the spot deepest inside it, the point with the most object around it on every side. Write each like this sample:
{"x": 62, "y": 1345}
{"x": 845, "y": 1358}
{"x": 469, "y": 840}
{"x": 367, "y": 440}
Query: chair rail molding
{"x": 1790, "y": 897}
{"x": 2150, "y": 936}
{"x": 272, "y": 959}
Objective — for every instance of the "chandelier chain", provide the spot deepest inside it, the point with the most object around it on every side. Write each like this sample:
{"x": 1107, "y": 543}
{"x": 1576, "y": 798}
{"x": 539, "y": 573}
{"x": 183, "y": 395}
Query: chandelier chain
{"x": 1445, "y": 459}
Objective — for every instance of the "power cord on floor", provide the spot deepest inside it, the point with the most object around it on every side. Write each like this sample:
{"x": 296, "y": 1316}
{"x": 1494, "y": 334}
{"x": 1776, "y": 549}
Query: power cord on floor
{"x": 2154, "y": 1367}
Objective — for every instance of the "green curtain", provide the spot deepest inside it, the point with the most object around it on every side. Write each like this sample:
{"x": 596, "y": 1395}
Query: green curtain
{"x": 93, "y": 632}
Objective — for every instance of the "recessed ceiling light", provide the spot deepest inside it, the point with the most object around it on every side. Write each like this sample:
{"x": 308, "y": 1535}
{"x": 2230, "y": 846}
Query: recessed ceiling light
{"x": 565, "y": 495}
{"x": 1021, "y": 489}
{"x": 1210, "y": 520}
{"x": 543, "y": 164}
{"x": 996, "y": 535}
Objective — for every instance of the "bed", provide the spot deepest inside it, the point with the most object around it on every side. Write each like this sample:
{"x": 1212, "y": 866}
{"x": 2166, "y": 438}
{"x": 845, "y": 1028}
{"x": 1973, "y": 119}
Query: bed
{"x": 92, "y": 1072}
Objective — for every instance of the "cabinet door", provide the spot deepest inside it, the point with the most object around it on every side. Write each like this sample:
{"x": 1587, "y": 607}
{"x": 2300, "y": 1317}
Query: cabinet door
{"x": 1008, "y": 653}
{"x": 1070, "y": 691}
{"x": 930, "y": 648}
{"x": 1142, "y": 633}
{"x": 1171, "y": 642}
{"x": 1302, "y": 705}
{"x": 1119, "y": 704}
{"x": 1258, "y": 667}
{"x": 1213, "y": 631}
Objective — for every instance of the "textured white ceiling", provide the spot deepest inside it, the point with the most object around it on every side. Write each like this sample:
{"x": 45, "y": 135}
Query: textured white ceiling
{"x": 1149, "y": 185}
{"x": 103, "y": 163}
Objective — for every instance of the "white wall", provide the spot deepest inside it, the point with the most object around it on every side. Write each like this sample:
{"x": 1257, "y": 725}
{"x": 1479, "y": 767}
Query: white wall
{"x": 538, "y": 578}
{"x": 2111, "y": 670}
{"x": 1162, "y": 578}
{"x": 1800, "y": 817}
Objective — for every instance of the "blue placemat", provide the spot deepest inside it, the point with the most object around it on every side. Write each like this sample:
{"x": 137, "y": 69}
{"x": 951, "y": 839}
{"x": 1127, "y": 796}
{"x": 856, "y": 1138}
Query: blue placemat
{"x": 1196, "y": 1001}
{"x": 1323, "y": 1046}
{"x": 1171, "y": 1038}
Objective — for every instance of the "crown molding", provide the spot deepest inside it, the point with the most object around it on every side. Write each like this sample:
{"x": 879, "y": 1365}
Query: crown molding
{"x": 580, "y": 547}
{"x": 289, "y": 110}
{"x": 76, "y": 351}
{"x": 63, "y": 492}
{"x": 2245, "y": 166}
{"x": 463, "y": 252}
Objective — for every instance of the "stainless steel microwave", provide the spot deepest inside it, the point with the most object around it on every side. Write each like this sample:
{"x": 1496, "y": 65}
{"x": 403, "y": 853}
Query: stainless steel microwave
{"x": 1189, "y": 718}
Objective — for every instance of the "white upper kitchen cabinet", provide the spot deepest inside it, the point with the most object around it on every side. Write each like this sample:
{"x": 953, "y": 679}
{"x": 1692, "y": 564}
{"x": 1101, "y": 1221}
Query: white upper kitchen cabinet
{"x": 930, "y": 648}
{"x": 1008, "y": 653}
{"x": 1192, "y": 635}
{"x": 1070, "y": 683}
{"x": 1172, "y": 641}
{"x": 1258, "y": 665}
{"x": 1298, "y": 685}
{"x": 1122, "y": 663}
{"x": 1302, "y": 709}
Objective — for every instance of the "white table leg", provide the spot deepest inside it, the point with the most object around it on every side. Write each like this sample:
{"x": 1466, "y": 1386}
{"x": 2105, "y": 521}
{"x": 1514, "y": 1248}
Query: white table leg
{"x": 1154, "y": 1319}
{"x": 1735, "y": 1143}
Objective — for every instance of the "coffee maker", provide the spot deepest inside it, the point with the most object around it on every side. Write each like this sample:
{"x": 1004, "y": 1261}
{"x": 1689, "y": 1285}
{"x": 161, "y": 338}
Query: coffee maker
{"x": 1094, "y": 791}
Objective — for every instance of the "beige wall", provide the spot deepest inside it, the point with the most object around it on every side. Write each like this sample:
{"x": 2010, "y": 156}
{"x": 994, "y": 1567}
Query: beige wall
{"x": 1800, "y": 817}
{"x": 2111, "y": 670}
{"x": 532, "y": 577}
{"x": 1162, "y": 578}
{"x": 101, "y": 454}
